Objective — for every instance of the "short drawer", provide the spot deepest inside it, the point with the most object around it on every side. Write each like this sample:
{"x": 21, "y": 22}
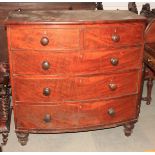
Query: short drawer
{"x": 71, "y": 116}
{"x": 47, "y": 63}
{"x": 50, "y": 89}
{"x": 44, "y": 39}
{"x": 113, "y": 35}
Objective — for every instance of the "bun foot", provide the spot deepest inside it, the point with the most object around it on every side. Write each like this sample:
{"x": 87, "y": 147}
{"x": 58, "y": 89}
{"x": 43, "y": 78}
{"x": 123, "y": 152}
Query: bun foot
{"x": 5, "y": 138}
{"x": 22, "y": 138}
{"x": 128, "y": 128}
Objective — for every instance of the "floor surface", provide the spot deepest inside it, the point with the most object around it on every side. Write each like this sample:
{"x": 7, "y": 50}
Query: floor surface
{"x": 142, "y": 138}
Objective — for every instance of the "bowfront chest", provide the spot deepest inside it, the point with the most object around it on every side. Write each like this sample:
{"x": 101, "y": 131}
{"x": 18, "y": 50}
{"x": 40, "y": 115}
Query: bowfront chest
{"x": 75, "y": 70}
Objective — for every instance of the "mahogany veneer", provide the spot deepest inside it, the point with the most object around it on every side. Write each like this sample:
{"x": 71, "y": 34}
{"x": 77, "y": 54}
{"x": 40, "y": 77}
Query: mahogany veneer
{"x": 74, "y": 116}
{"x": 75, "y": 71}
{"x": 92, "y": 61}
{"x": 75, "y": 88}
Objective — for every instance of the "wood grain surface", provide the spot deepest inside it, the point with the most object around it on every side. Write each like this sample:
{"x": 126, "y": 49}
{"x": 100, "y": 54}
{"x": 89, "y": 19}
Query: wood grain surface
{"x": 86, "y": 89}
{"x": 76, "y": 63}
{"x": 72, "y": 116}
{"x": 75, "y": 88}
{"x": 30, "y": 38}
{"x": 75, "y": 37}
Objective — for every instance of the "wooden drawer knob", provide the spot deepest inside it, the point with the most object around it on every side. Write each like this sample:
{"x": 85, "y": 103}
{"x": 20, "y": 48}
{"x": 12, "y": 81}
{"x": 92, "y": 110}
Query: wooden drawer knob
{"x": 115, "y": 38}
{"x": 47, "y": 118}
{"x": 111, "y": 111}
{"x": 149, "y": 60}
{"x": 114, "y": 61}
{"x": 45, "y": 65}
{"x": 46, "y": 91}
{"x": 112, "y": 86}
{"x": 44, "y": 41}
{"x": 18, "y": 10}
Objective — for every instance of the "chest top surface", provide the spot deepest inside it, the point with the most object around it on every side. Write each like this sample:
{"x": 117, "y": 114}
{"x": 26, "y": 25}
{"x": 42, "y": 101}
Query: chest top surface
{"x": 72, "y": 17}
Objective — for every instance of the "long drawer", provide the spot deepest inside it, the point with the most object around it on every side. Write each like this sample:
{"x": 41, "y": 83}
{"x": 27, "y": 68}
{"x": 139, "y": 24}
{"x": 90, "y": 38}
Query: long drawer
{"x": 47, "y": 63}
{"x": 53, "y": 89}
{"x": 71, "y": 116}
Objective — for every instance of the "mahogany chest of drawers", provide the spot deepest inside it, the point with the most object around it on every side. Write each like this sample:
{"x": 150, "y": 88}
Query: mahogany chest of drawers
{"x": 75, "y": 70}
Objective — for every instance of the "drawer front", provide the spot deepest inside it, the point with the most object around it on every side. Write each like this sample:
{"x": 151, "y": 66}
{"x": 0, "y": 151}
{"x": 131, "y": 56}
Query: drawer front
{"x": 44, "y": 39}
{"x": 76, "y": 88}
{"x": 47, "y": 63}
{"x": 71, "y": 116}
{"x": 113, "y": 35}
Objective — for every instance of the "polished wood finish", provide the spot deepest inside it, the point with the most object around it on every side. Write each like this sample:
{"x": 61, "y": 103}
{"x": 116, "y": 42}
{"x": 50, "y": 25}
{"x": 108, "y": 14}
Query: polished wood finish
{"x": 85, "y": 62}
{"x": 74, "y": 88}
{"x": 88, "y": 78}
{"x": 68, "y": 116}
{"x": 31, "y": 38}
{"x": 5, "y": 8}
{"x": 100, "y": 37}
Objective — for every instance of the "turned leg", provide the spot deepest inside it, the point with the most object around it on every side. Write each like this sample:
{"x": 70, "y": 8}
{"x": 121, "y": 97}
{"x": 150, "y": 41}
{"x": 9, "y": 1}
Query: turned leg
{"x": 149, "y": 90}
{"x": 5, "y": 137}
{"x": 5, "y": 102}
{"x": 5, "y": 106}
{"x": 128, "y": 129}
{"x": 22, "y": 137}
{"x": 5, "y": 109}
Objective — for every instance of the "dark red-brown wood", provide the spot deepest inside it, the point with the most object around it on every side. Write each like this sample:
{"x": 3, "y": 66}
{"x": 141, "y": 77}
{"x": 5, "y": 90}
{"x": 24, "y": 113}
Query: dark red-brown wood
{"x": 92, "y": 74}
{"x": 30, "y": 38}
{"x": 71, "y": 116}
{"x": 75, "y": 88}
{"x": 5, "y": 109}
{"x": 62, "y": 37}
{"x": 76, "y": 63}
{"x": 102, "y": 36}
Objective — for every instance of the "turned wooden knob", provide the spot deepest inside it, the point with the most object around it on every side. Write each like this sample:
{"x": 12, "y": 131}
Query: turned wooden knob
{"x": 44, "y": 41}
{"x": 45, "y": 65}
{"x": 46, "y": 91}
{"x": 18, "y": 10}
{"x": 47, "y": 118}
{"x": 149, "y": 60}
{"x": 112, "y": 86}
{"x": 111, "y": 111}
{"x": 115, "y": 38}
{"x": 114, "y": 61}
